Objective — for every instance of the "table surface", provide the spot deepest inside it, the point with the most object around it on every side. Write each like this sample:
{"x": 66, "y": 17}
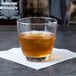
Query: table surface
{"x": 65, "y": 39}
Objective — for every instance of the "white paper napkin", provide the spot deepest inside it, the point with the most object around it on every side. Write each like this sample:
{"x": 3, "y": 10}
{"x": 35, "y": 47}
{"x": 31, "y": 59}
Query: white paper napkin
{"x": 58, "y": 55}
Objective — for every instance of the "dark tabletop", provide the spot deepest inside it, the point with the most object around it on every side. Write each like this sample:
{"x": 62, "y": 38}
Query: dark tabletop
{"x": 65, "y": 39}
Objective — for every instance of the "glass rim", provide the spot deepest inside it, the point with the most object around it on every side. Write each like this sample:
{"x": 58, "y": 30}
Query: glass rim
{"x": 53, "y": 20}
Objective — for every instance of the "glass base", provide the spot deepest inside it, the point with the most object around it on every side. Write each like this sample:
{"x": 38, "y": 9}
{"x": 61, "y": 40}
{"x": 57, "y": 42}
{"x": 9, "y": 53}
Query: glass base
{"x": 42, "y": 59}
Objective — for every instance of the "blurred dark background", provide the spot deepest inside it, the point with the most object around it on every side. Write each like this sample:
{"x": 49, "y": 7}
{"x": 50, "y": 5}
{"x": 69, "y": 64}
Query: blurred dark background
{"x": 63, "y": 10}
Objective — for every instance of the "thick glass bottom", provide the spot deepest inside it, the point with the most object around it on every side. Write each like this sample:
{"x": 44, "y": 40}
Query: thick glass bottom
{"x": 42, "y": 59}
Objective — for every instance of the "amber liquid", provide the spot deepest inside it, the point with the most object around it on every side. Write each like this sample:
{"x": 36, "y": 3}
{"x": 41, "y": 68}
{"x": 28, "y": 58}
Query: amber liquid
{"x": 36, "y": 44}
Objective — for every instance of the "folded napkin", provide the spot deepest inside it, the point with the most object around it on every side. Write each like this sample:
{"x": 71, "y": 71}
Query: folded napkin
{"x": 58, "y": 55}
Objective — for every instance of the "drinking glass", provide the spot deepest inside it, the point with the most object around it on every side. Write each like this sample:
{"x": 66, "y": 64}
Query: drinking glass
{"x": 37, "y": 37}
